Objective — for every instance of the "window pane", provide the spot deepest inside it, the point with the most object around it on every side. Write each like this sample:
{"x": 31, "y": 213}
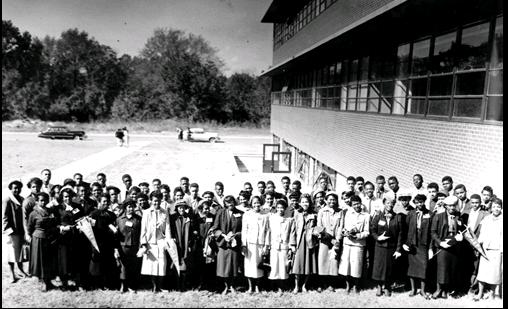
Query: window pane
{"x": 496, "y": 82}
{"x": 439, "y": 107}
{"x": 416, "y": 106}
{"x": 444, "y": 53}
{"x": 496, "y": 58}
{"x": 387, "y": 89}
{"x": 403, "y": 60}
{"x": 401, "y": 88}
{"x": 441, "y": 85}
{"x": 343, "y": 98}
{"x": 386, "y": 105}
{"x": 470, "y": 83}
{"x": 351, "y": 102}
{"x": 338, "y": 73}
{"x": 373, "y": 104}
{"x": 399, "y": 105}
{"x": 474, "y": 47}
{"x": 495, "y": 108}
{"x": 364, "y": 68}
{"x": 362, "y": 104}
{"x": 470, "y": 107}
{"x": 363, "y": 91}
{"x": 419, "y": 87}
{"x": 353, "y": 71}
{"x": 421, "y": 52}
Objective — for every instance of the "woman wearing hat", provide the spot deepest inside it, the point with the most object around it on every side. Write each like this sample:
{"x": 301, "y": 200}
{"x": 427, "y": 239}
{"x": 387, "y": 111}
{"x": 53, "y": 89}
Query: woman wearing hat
{"x": 282, "y": 236}
{"x": 417, "y": 243}
{"x": 228, "y": 227}
{"x": 129, "y": 231}
{"x": 305, "y": 263}
{"x": 255, "y": 242}
{"x": 153, "y": 241}
{"x": 12, "y": 222}
{"x": 491, "y": 237}
{"x": 43, "y": 231}
{"x": 327, "y": 231}
{"x": 445, "y": 232}
{"x": 183, "y": 230}
{"x": 68, "y": 241}
{"x": 354, "y": 229}
{"x": 386, "y": 229}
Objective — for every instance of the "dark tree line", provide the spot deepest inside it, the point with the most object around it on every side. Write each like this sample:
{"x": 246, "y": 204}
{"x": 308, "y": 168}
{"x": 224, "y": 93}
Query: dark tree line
{"x": 75, "y": 78}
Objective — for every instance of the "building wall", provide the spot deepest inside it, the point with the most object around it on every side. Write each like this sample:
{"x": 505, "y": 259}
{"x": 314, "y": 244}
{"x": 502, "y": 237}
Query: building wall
{"x": 341, "y": 15}
{"x": 363, "y": 144}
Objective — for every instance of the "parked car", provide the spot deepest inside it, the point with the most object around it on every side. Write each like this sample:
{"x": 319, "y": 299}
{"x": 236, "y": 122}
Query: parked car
{"x": 61, "y": 132}
{"x": 200, "y": 135}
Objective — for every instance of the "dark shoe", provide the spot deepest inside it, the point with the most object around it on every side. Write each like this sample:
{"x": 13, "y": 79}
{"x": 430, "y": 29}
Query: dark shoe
{"x": 356, "y": 289}
{"x": 412, "y": 293}
{"x": 379, "y": 292}
{"x": 425, "y": 295}
{"x": 445, "y": 295}
{"x": 388, "y": 292}
{"x": 16, "y": 279}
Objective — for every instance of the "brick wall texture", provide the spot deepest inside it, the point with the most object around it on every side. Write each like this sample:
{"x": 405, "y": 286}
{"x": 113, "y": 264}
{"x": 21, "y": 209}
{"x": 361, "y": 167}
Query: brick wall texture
{"x": 363, "y": 144}
{"x": 341, "y": 15}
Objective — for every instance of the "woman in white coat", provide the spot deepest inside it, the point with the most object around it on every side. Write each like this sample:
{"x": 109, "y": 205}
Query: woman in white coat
{"x": 153, "y": 241}
{"x": 327, "y": 231}
{"x": 282, "y": 243}
{"x": 354, "y": 231}
{"x": 254, "y": 242}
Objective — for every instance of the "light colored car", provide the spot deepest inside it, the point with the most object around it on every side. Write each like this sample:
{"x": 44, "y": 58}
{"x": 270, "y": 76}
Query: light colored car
{"x": 200, "y": 135}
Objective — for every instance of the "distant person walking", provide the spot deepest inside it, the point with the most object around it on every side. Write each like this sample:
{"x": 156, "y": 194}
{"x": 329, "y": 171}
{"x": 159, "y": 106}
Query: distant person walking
{"x": 126, "y": 136}
{"x": 180, "y": 134}
{"x": 119, "y": 134}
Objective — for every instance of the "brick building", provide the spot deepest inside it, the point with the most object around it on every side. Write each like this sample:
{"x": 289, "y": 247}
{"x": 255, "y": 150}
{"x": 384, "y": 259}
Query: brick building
{"x": 389, "y": 87}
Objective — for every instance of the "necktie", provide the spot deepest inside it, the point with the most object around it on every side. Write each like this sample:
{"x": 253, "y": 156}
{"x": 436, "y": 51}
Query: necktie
{"x": 418, "y": 219}
{"x": 453, "y": 224}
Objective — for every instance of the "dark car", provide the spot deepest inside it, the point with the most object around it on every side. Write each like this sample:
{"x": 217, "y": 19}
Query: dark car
{"x": 62, "y": 133}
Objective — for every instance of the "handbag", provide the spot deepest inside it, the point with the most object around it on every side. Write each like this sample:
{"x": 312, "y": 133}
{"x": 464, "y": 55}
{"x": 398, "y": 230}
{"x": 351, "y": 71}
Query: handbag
{"x": 25, "y": 253}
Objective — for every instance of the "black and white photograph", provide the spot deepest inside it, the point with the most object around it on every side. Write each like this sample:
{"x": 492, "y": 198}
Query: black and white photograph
{"x": 252, "y": 153}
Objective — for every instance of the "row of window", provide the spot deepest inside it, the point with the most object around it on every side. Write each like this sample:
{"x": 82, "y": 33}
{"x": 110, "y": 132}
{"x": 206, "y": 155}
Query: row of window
{"x": 462, "y": 80}
{"x": 454, "y": 95}
{"x": 282, "y": 32}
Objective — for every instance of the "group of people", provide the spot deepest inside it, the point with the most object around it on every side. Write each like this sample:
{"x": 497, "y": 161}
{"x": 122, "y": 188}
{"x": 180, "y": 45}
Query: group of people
{"x": 434, "y": 241}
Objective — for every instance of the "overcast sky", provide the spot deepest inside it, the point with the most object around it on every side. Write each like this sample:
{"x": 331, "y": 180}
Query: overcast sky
{"x": 233, "y": 27}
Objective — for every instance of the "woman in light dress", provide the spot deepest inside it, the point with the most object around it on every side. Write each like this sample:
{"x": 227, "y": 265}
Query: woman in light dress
{"x": 254, "y": 242}
{"x": 306, "y": 243}
{"x": 282, "y": 237}
{"x": 491, "y": 237}
{"x": 153, "y": 241}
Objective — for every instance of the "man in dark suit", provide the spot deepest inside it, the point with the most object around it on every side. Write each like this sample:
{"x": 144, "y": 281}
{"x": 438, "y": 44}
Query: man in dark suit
{"x": 446, "y": 233}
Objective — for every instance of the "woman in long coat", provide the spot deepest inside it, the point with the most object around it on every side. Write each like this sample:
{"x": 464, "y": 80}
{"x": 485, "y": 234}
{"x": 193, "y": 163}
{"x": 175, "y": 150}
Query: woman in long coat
{"x": 153, "y": 241}
{"x": 254, "y": 242}
{"x": 282, "y": 235}
{"x": 305, "y": 263}
{"x": 418, "y": 242}
{"x": 386, "y": 229}
{"x": 328, "y": 233}
{"x": 229, "y": 221}
{"x": 445, "y": 232}
{"x": 103, "y": 265}
{"x": 354, "y": 230}
{"x": 12, "y": 225}
{"x": 42, "y": 231}
{"x": 491, "y": 237}
{"x": 68, "y": 251}
{"x": 183, "y": 230}
{"x": 129, "y": 231}
{"x": 204, "y": 246}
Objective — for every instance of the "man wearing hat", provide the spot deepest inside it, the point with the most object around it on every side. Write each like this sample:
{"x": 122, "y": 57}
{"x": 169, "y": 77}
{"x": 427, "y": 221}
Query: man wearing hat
{"x": 445, "y": 232}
